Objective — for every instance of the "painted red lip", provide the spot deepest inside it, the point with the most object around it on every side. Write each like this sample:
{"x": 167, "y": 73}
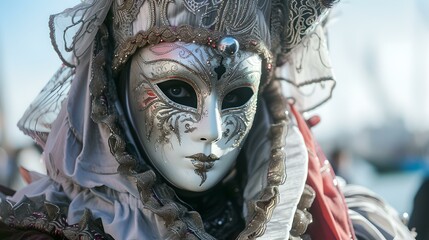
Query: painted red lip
{"x": 204, "y": 158}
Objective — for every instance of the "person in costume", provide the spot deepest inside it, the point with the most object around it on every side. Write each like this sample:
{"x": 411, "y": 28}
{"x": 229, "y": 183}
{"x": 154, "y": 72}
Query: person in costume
{"x": 168, "y": 120}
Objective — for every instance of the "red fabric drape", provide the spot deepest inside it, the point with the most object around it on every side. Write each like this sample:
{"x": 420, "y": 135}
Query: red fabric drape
{"x": 329, "y": 209}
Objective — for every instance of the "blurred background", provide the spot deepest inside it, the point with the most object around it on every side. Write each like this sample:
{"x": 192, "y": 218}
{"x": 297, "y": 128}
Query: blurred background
{"x": 375, "y": 129}
{"x": 376, "y": 126}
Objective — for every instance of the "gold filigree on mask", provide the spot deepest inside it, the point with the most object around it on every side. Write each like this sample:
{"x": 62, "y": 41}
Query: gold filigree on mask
{"x": 185, "y": 34}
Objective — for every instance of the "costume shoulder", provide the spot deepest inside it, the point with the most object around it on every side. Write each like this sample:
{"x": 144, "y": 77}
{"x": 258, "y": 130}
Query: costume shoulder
{"x": 36, "y": 218}
{"x": 340, "y": 211}
{"x": 372, "y": 217}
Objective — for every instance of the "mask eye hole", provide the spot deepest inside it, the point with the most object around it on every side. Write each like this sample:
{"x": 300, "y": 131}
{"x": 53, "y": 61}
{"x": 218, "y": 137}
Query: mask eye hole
{"x": 237, "y": 97}
{"x": 179, "y": 92}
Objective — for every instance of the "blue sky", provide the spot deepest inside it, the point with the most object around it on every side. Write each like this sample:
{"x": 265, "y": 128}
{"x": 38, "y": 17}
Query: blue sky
{"x": 27, "y": 59}
{"x": 380, "y": 54}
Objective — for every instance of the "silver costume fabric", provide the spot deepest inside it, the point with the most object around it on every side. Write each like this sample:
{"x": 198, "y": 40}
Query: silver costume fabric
{"x": 372, "y": 217}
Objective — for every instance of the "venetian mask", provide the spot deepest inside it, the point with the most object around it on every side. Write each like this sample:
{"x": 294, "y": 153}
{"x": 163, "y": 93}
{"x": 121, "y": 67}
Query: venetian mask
{"x": 192, "y": 106}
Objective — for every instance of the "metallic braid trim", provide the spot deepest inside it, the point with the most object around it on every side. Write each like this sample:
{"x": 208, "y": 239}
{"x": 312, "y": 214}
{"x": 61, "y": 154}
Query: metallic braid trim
{"x": 38, "y": 214}
{"x": 260, "y": 210}
{"x": 187, "y": 34}
{"x": 303, "y": 217}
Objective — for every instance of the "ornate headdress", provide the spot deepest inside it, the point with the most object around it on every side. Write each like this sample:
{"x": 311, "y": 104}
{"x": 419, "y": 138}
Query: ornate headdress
{"x": 287, "y": 34}
{"x": 103, "y": 34}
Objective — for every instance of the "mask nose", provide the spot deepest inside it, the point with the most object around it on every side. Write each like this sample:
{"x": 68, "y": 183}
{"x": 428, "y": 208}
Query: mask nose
{"x": 210, "y": 125}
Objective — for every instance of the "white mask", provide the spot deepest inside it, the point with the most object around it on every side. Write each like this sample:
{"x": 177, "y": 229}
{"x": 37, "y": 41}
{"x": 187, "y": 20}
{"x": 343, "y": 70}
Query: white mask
{"x": 192, "y": 108}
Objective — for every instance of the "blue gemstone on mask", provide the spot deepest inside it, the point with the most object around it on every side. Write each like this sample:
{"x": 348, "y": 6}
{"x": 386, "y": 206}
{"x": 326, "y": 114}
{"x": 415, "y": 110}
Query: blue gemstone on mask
{"x": 228, "y": 46}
